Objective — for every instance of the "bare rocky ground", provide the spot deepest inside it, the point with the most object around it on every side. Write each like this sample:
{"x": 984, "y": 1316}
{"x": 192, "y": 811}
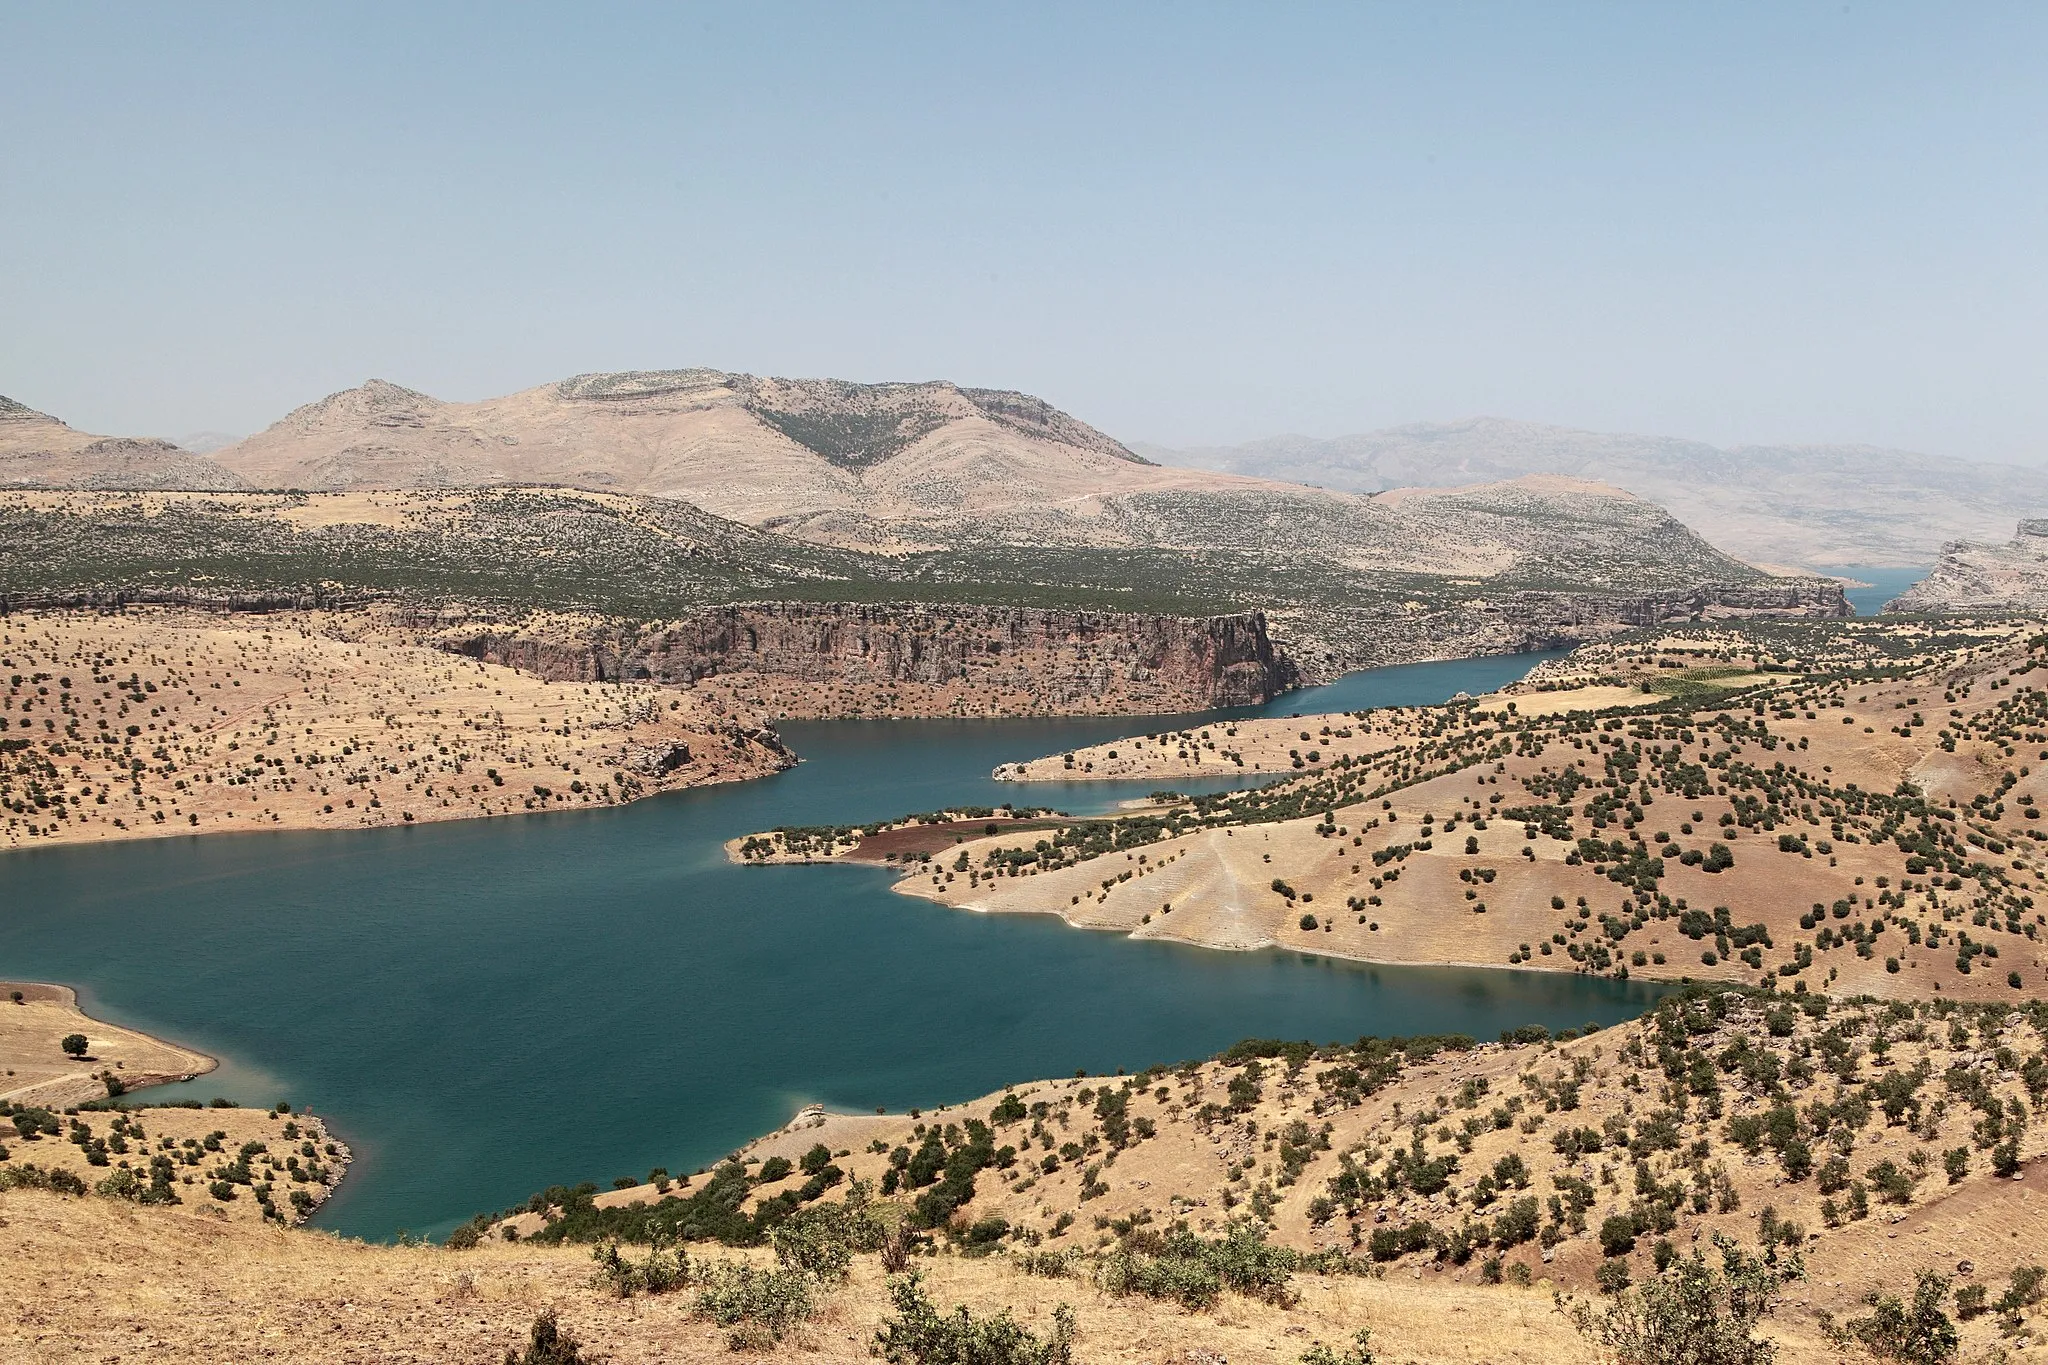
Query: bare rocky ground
{"x": 1973, "y": 576}
{"x": 39, "y": 451}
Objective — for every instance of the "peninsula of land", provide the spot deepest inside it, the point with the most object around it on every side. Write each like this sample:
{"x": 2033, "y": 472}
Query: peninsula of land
{"x": 1842, "y": 807}
{"x": 75, "y": 1123}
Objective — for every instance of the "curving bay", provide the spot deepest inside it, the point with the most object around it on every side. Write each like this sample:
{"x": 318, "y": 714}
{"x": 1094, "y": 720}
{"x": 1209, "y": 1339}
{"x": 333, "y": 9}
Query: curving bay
{"x": 484, "y": 1008}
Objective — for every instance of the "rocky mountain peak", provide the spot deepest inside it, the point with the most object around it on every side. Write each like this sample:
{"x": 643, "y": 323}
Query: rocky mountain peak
{"x": 11, "y": 411}
{"x": 375, "y": 402}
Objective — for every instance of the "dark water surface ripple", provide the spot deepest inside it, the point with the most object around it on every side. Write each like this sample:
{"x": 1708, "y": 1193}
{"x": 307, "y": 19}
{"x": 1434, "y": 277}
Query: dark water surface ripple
{"x": 484, "y": 1008}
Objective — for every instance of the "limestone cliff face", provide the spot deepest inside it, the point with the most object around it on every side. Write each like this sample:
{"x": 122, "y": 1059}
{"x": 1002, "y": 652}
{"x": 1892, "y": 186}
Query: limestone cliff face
{"x": 1332, "y": 643}
{"x": 1037, "y": 661}
{"x": 1977, "y": 577}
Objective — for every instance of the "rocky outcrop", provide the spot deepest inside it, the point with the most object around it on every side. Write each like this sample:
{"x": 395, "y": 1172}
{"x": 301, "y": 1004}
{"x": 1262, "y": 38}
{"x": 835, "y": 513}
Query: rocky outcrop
{"x": 1972, "y": 576}
{"x": 1332, "y": 643}
{"x": 1068, "y": 661}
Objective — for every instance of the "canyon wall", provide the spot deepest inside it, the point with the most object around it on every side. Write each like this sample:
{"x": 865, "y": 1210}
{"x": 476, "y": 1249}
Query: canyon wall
{"x": 1971, "y": 576}
{"x": 908, "y": 658}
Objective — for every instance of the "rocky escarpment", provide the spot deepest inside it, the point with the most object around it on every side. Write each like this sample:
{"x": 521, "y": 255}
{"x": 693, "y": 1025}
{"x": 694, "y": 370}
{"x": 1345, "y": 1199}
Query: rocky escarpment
{"x": 1972, "y": 576}
{"x": 1332, "y": 642}
{"x": 838, "y": 658}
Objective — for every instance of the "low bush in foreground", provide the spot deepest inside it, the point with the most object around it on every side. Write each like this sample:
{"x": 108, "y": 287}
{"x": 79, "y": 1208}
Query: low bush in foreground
{"x": 1693, "y": 1312}
{"x": 758, "y": 1306}
{"x": 919, "y": 1334}
{"x": 549, "y": 1343}
{"x": 1194, "y": 1271}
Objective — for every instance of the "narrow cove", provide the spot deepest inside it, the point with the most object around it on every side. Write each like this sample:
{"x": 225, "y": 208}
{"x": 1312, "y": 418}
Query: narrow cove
{"x": 485, "y": 1008}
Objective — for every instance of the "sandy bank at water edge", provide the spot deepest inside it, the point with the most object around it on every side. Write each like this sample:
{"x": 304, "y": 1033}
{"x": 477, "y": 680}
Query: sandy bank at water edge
{"x": 39, "y": 1072}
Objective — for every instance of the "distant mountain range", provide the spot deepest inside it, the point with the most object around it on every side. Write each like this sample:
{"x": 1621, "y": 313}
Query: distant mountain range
{"x": 863, "y": 465}
{"x": 895, "y": 468}
{"x": 1812, "y": 507}
{"x": 919, "y": 492}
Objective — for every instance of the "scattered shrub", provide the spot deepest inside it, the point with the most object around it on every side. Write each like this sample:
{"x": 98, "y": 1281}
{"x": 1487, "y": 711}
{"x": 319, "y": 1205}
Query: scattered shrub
{"x": 1358, "y": 1353}
{"x": 548, "y": 1344}
{"x": 919, "y": 1334}
{"x": 1693, "y": 1312}
{"x": 769, "y": 1302}
{"x": 1917, "y": 1333}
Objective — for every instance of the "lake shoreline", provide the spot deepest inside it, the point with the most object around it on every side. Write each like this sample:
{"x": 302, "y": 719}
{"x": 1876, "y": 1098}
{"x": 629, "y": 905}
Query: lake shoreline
{"x": 315, "y": 964}
{"x": 24, "y": 1047}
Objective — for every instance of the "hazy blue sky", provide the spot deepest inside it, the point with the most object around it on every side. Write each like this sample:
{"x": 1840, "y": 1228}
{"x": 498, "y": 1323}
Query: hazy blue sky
{"x": 1184, "y": 223}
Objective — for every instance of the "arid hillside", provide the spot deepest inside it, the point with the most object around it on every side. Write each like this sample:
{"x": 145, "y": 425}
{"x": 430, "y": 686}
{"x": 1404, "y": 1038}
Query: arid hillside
{"x": 1459, "y": 1201}
{"x": 925, "y": 466}
{"x": 1526, "y": 1159}
{"x": 1973, "y": 576}
{"x": 1820, "y": 807}
{"x": 1423, "y": 576}
{"x": 885, "y": 466}
{"x": 147, "y": 724}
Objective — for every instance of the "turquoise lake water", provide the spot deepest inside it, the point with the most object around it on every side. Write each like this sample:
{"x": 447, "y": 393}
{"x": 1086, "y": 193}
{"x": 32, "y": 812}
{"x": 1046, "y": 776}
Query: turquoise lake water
{"x": 1885, "y": 584}
{"x": 485, "y": 1008}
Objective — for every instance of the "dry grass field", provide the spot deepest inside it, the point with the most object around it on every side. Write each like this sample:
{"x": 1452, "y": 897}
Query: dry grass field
{"x": 36, "y": 1018}
{"x": 93, "y": 1280}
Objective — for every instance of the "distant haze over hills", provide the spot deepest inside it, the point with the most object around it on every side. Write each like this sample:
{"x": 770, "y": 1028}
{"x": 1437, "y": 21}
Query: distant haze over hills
{"x": 1806, "y": 506}
{"x": 903, "y": 466}
{"x": 39, "y": 451}
{"x": 206, "y": 442}
{"x": 906, "y": 467}
{"x": 923, "y": 492}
